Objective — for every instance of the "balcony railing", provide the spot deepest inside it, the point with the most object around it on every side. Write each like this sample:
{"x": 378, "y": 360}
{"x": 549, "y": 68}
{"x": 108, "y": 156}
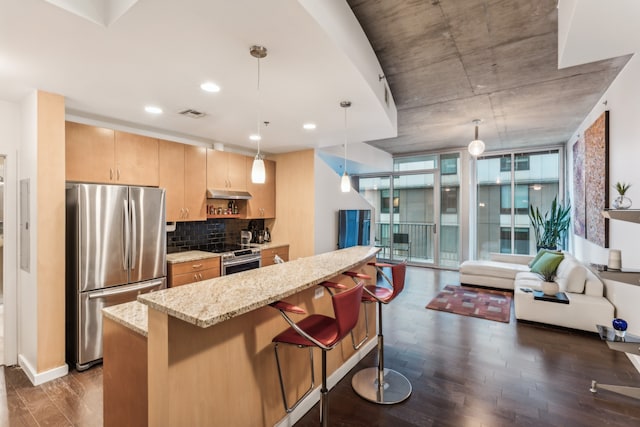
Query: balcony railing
{"x": 414, "y": 242}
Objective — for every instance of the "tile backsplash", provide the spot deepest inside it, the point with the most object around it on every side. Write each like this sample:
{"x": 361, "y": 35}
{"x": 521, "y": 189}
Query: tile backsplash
{"x": 203, "y": 235}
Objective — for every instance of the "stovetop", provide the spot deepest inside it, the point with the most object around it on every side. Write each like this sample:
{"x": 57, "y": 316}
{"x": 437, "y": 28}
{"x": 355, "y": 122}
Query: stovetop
{"x": 220, "y": 248}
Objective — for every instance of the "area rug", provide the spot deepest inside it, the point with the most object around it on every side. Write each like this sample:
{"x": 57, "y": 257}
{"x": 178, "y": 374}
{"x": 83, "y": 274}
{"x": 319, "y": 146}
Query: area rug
{"x": 476, "y": 302}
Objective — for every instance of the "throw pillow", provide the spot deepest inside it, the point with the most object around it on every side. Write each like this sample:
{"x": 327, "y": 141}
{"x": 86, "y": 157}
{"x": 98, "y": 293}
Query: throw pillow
{"x": 547, "y": 264}
{"x": 571, "y": 276}
{"x": 540, "y": 253}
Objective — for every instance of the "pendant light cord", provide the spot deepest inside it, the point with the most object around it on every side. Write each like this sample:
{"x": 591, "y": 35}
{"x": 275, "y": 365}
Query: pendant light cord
{"x": 259, "y": 107}
{"x": 345, "y": 140}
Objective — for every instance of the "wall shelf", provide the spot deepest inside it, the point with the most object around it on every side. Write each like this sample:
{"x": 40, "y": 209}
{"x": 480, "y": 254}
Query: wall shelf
{"x": 629, "y": 215}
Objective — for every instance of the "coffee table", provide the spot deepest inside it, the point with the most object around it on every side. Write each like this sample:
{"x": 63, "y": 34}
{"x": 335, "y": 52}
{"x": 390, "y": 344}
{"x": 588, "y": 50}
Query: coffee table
{"x": 628, "y": 344}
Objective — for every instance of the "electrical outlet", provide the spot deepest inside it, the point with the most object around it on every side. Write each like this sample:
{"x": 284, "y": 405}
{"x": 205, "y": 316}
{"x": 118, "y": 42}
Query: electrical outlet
{"x": 319, "y": 293}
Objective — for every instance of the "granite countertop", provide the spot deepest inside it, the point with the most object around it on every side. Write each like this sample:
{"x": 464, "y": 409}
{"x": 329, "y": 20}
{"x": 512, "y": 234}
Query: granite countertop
{"x": 269, "y": 245}
{"x": 189, "y": 256}
{"x": 212, "y": 301}
{"x": 132, "y": 314}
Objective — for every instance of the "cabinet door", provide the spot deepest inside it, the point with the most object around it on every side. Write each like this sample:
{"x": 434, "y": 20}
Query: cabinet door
{"x": 263, "y": 196}
{"x": 217, "y": 169}
{"x": 136, "y": 159}
{"x": 195, "y": 182}
{"x": 89, "y": 153}
{"x": 171, "y": 160}
{"x": 236, "y": 171}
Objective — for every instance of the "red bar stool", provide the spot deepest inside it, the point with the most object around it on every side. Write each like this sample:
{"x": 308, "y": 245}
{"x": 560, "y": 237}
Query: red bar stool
{"x": 321, "y": 331}
{"x": 378, "y": 384}
{"x": 357, "y": 277}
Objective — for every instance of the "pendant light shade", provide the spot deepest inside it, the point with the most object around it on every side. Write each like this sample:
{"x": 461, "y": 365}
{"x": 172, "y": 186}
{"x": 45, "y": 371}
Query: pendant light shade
{"x": 345, "y": 182}
{"x": 476, "y": 147}
{"x": 258, "y": 175}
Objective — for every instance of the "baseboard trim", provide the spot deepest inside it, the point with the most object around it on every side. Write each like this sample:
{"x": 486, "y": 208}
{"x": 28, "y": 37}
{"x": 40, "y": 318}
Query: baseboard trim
{"x": 38, "y": 378}
{"x": 332, "y": 380}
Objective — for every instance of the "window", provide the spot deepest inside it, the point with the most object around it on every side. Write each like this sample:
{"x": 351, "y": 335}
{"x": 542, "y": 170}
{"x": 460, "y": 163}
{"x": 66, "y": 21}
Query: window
{"x": 522, "y": 163}
{"x": 521, "y": 201}
{"x": 449, "y": 164}
{"x": 449, "y": 200}
{"x": 521, "y": 240}
{"x": 384, "y": 201}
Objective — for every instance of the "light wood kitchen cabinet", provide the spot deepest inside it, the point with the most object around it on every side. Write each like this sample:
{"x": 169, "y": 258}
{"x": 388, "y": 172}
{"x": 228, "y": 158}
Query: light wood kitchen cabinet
{"x": 226, "y": 171}
{"x": 268, "y": 255}
{"x": 183, "y": 174}
{"x": 89, "y": 153}
{"x": 95, "y": 154}
{"x": 181, "y": 273}
{"x": 263, "y": 196}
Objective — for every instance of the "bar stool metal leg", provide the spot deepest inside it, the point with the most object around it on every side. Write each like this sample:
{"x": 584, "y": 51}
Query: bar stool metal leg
{"x": 380, "y": 385}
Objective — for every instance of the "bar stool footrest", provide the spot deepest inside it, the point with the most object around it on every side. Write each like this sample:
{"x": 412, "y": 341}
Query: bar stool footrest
{"x": 395, "y": 389}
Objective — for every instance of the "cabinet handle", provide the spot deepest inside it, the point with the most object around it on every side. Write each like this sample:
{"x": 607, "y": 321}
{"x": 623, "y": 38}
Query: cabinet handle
{"x": 200, "y": 274}
{"x": 196, "y": 266}
{"x": 111, "y": 174}
{"x": 118, "y": 173}
{"x": 186, "y": 213}
{"x": 195, "y": 277}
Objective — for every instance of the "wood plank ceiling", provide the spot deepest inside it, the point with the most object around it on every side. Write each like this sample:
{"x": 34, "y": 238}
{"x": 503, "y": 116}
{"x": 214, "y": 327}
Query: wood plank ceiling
{"x": 448, "y": 62}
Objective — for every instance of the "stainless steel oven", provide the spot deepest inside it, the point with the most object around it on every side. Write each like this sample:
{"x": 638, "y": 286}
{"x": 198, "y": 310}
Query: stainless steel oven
{"x": 240, "y": 260}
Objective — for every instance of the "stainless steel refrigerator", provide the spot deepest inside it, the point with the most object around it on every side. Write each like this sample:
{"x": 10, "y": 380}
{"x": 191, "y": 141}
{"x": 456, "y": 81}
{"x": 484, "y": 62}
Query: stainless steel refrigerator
{"x": 116, "y": 249}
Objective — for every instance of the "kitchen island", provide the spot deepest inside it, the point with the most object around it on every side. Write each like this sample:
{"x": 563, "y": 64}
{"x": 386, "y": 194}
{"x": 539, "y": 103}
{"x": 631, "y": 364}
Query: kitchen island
{"x": 210, "y": 356}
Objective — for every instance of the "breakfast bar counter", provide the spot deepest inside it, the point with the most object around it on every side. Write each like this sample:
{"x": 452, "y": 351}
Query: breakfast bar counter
{"x": 210, "y": 358}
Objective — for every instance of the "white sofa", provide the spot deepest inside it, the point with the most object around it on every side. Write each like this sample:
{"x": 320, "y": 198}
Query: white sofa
{"x": 585, "y": 291}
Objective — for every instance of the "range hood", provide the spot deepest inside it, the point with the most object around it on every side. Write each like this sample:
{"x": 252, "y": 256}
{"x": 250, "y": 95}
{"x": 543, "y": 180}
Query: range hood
{"x": 228, "y": 194}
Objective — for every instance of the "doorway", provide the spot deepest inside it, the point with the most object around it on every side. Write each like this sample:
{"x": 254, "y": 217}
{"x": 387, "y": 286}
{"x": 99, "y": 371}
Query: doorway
{"x": 2, "y": 191}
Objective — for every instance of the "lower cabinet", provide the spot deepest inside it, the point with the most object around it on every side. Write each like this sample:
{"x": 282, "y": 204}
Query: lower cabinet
{"x": 181, "y": 273}
{"x": 269, "y": 255}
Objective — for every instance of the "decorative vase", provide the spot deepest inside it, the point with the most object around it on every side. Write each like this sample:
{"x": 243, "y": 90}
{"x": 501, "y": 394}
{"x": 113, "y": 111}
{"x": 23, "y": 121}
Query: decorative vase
{"x": 620, "y": 326}
{"x": 622, "y": 202}
{"x": 550, "y": 288}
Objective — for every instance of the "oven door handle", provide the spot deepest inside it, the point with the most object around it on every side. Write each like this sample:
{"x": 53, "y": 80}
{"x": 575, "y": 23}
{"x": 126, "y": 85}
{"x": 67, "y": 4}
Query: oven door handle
{"x": 241, "y": 261}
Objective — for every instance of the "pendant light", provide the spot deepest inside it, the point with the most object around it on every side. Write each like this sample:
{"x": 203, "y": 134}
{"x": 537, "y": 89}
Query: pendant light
{"x": 345, "y": 183}
{"x": 258, "y": 175}
{"x": 476, "y": 147}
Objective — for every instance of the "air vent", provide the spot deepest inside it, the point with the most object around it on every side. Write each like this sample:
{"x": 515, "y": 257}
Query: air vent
{"x": 194, "y": 114}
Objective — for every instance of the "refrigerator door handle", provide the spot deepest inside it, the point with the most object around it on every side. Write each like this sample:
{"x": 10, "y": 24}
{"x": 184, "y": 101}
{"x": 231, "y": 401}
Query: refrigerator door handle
{"x": 125, "y": 236}
{"x": 134, "y": 237}
{"x": 129, "y": 289}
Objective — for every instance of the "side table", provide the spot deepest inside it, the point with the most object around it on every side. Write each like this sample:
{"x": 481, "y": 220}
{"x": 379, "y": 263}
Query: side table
{"x": 628, "y": 344}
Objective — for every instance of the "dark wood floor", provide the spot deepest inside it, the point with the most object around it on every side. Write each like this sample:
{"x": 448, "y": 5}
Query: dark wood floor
{"x": 464, "y": 371}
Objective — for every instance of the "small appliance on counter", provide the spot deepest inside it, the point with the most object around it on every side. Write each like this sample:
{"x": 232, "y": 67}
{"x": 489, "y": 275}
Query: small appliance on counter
{"x": 245, "y": 237}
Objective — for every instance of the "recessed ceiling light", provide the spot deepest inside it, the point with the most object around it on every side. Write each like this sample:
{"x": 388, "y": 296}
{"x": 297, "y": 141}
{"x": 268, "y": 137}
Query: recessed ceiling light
{"x": 309, "y": 126}
{"x": 255, "y": 137}
{"x": 153, "y": 110}
{"x": 210, "y": 87}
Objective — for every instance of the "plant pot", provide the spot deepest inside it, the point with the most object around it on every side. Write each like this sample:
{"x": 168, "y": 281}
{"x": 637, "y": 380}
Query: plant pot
{"x": 550, "y": 288}
{"x": 621, "y": 202}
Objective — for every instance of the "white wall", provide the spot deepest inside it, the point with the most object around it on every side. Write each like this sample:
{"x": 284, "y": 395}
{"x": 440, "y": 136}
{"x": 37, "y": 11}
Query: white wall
{"x": 328, "y": 201}
{"x": 624, "y": 152}
{"x": 27, "y": 291}
{"x": 9, "y": 142}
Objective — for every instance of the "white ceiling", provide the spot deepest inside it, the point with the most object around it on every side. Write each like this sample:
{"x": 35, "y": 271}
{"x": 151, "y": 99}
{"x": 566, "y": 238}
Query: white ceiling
{"x": 160, "y": 51}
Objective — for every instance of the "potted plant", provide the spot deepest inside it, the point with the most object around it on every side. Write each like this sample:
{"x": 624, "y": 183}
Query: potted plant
{"x": 622, "y": 202}
{"x": 549, "y": 286}
{"x": 549, "y": 228}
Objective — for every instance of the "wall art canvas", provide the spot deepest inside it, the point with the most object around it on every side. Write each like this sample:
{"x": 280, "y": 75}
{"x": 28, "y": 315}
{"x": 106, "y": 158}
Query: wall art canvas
{"x": 579, "y": 212}
{"x": 596, "y": 176}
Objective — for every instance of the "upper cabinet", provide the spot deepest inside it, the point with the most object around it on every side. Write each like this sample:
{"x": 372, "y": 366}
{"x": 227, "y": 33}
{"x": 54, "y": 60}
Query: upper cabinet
{"x": 226, "y": 171}
{"x": 263, "y": 196}
{"x": 183, "y": 174}
{"x": 95, "y": 154}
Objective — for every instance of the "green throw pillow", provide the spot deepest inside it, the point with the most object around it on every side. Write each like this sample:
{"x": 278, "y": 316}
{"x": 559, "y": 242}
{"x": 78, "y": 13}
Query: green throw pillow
{"x": 540, "y": 253}
{"x": 547, "y": 264}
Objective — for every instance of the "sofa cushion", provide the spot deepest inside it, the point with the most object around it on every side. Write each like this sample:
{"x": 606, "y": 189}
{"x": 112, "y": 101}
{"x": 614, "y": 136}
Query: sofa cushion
{"x": 571, "y": 275}
{"x": 539, "y": 255}
{"x": 593, "y": 286}
{"x": 492, "y": 269}
{"x": 547, "y": 263}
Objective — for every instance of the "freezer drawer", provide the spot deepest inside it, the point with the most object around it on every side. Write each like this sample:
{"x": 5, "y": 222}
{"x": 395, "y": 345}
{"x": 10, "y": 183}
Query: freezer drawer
{"x": 89, "y": 324}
